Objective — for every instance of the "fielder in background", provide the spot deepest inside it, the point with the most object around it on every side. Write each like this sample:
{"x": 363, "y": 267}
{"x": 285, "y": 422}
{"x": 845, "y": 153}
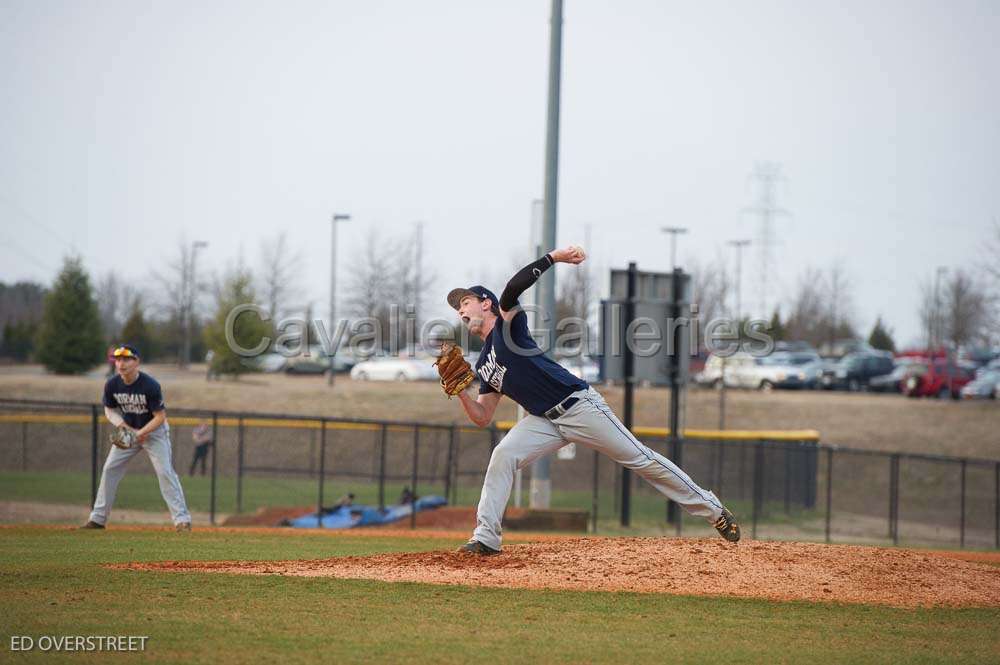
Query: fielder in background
{"x": 133, "y": 403}
{"x": 562, "y": 408}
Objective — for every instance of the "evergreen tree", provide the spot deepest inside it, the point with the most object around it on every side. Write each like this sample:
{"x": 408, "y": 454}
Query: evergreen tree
{"x": 136, "y": 332}
{"x": 776, "y": 328}
{"x": 70, "y": 340}
{"x": 247, "y": 329}
{"x": 881, "y": 337}
{"x": 18, "y": 340}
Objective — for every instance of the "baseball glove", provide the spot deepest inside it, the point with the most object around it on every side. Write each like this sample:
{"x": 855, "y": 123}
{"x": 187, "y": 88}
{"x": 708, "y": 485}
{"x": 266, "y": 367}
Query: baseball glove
{"x": 124, "y": 438}
{"x": 456, "y": 373}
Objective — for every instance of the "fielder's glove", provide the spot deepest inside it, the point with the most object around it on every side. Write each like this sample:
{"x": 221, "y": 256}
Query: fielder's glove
{"x": 124, "y": 438}
{"x": 456, "y": 373}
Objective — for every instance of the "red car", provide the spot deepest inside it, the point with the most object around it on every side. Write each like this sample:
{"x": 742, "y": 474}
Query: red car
{"x": 937, "y": 379}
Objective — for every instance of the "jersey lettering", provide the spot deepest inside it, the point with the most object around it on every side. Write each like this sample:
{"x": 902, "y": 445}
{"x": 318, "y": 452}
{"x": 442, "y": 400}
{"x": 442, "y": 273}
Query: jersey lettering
{"x": 492, "y": 372}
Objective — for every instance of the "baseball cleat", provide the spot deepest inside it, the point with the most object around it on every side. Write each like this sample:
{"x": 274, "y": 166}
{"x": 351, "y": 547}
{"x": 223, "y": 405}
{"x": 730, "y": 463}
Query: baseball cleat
{"x": 91, "y": 524}
{"x": 183, "y": 527}
{"x": 476, "y": 547}
{"x": 727, "y": 526}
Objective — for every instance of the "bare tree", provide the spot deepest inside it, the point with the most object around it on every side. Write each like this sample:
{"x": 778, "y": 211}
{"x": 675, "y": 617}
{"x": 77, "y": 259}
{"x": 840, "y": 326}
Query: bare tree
{"x": 278, "y": 274}
{"x": 991, "y": 249}
{"x": 840, "y": 303}
{"x": 711, "y": 288}
{"x": 370, "y": 285}
{"x": 116, "y": 300}
{"x": 821, "y": 310}
{"x": 412, "y": 280}
{"x": 180, "y": 296}
{"x": 966, "y": 308}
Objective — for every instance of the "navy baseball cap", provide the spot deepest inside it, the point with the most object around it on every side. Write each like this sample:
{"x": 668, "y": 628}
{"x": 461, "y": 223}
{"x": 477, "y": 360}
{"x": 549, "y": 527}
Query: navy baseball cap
{"x": 455, "y": 297}
{"x": 125, "y": 351}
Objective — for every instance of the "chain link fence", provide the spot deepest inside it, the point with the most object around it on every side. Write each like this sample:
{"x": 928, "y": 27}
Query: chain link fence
{"x": 780, "y": 486}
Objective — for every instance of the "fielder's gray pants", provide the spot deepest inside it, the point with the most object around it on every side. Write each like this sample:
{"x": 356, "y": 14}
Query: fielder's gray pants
{"x": 590, "y": 423}
{"x": 157, "y": 446}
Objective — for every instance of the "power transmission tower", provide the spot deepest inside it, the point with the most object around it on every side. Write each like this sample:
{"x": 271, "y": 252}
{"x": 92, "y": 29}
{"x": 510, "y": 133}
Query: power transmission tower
{"x": 766, "y": 176}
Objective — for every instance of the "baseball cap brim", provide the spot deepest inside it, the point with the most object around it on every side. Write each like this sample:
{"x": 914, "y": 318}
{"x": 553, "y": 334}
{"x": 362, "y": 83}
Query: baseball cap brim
{"x": 455, "y": 297}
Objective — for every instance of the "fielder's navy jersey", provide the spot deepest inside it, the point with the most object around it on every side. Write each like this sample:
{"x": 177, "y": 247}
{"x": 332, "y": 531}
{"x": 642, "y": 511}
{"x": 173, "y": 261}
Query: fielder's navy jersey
{"x": 137, "y": 401}
{"x": 513, "y": 365}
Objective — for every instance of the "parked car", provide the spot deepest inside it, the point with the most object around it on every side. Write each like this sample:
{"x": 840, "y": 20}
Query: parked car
{"x": 992, "y": 366}
{"x": 936, "y": 379}
{"x": 395, "y": 369}
{"x": 588, "y": 370}
{"x": 790, "y": 370}
{"x": 316, "y": 361}
{"x": 267, "y": 362}
{"x": 893, "y": 381}
{"x": 984, "y": 386}
{"x": 855, "y": 370}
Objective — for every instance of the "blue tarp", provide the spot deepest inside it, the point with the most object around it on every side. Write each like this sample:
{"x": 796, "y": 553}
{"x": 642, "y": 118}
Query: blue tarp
{"x": 347, "y": 517}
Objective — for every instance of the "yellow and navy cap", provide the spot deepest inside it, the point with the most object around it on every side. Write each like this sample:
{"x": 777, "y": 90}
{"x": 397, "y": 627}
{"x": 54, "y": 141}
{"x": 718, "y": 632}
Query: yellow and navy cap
{"x": 125, "y": 351}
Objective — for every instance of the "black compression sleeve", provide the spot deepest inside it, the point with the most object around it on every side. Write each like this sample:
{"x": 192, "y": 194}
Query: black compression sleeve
{"x": 523, "y": 279}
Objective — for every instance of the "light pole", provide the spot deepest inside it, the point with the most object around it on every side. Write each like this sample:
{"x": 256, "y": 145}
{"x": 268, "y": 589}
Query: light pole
{"x": 936, "y": 328}
{"x": 739, "y": 245}
{"x": 674, "y": 231}
{"x": 189, "y": 297}
{"x": 331, "y": 334}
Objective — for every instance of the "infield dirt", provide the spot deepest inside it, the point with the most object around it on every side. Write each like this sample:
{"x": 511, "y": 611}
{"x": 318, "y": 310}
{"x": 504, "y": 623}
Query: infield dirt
{"x": 767, "y": 570}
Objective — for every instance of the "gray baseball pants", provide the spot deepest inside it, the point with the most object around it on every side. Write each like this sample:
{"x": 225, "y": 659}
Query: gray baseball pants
{"x": 158, "y": 447}
{"x": 589, "y": 423}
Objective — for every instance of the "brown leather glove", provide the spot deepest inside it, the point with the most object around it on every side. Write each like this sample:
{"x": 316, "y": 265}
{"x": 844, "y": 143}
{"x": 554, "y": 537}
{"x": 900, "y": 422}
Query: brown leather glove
{"x": 124, "y": 438}
{"x": 456, "y": 373}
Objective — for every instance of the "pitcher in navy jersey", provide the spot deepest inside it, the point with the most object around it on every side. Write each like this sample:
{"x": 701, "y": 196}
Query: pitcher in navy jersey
{"x": 562, "y": 408}
{"x": 134, "y": 399}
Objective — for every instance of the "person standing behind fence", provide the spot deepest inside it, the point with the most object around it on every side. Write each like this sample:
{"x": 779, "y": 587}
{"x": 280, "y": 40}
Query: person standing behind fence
{"x": 134, "y": 399}
{"x": 202, "y": 437}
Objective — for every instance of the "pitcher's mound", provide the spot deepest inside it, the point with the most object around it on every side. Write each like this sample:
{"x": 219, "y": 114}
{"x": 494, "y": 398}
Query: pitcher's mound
{"x": 771, "y": 570}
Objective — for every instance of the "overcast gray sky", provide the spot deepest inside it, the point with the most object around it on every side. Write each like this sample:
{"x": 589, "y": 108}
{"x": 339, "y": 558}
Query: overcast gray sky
{"x": 125, "y": 125}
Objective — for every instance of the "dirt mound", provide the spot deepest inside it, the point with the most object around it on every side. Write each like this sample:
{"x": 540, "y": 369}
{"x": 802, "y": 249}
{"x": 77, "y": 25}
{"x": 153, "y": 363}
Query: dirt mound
{"x": 771, "y": 570}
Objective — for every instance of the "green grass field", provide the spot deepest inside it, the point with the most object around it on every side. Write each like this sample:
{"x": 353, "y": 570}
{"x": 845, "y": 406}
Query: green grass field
{"x": 53, "y": 583}
{"x": 141, "y": 492}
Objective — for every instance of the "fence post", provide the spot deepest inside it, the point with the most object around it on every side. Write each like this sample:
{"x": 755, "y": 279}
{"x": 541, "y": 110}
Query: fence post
{"x": 448, "y": 462}
{"x": 413, "y": 477}
{"x": 93, "y": 454}
{"x": 829, "y": 490}
{"x": 381, "y": 466}
{"x": 996, "y": 505}
{"x": 894, "y": 498}
{"x": 788, "y": 478}
{"x": 215, "y": 447}
{"x": 678, "y": 513}
{"x": 239, "y": 465}
{"x": 594, "y": 497}
{"x": 758, "y": 482}
{"x": 24, "y": 446}
{"x": 322, "y": 472}
{"x": 457, "y": 433}
{"x": 961, "y": 521}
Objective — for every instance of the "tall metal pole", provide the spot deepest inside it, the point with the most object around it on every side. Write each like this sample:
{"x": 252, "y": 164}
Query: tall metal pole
{"x": 629, "y": 361}
{"x": 192, "y": 289}
{"x": 541, "y": 483}
{"x": 739, "y": 245}
{"x": 674, "y": 231}
{"x": 936, "y": 336}
{"x": 337, "y": 217}
{"x": 418, "y": 282}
